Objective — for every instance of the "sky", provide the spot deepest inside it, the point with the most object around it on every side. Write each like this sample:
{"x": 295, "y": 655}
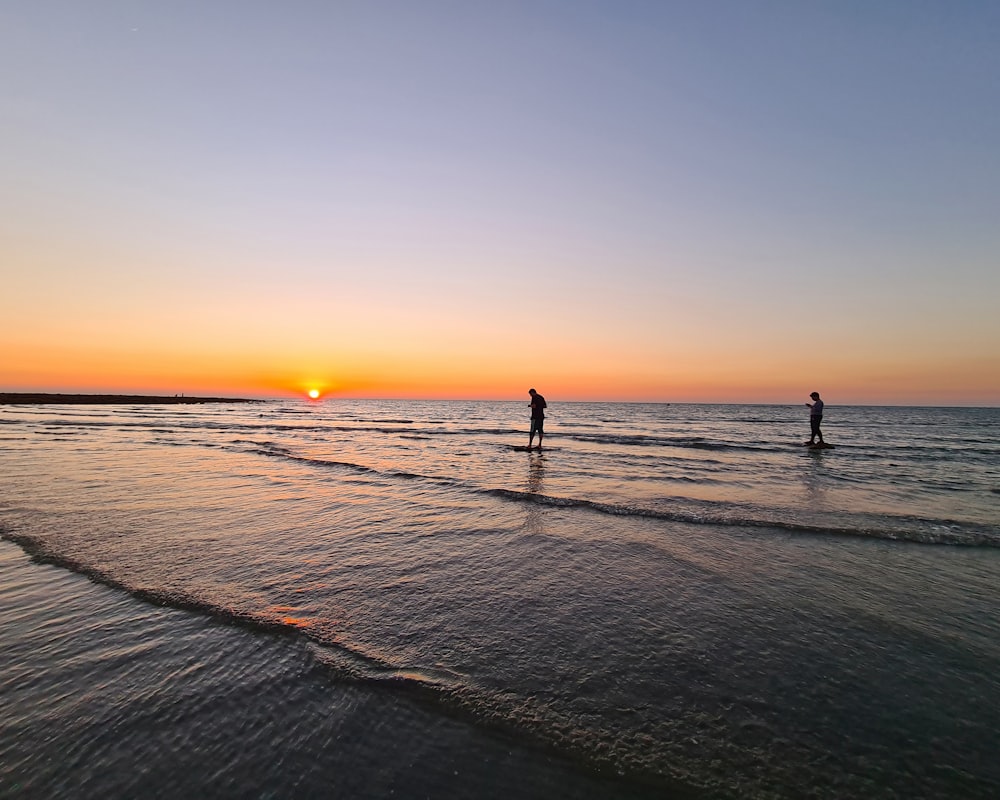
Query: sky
{"x": 705, "y": 201}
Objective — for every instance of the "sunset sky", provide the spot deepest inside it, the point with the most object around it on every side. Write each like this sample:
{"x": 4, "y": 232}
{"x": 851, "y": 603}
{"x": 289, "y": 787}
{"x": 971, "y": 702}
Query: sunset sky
{"x": 675, "y": 201}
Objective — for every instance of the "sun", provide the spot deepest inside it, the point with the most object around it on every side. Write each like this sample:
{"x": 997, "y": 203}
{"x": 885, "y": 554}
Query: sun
{"x": 314, "y": 394}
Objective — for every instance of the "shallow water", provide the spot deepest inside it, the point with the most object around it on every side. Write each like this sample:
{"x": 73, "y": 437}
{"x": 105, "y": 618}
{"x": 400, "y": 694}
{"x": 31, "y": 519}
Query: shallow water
{"x": 105, "y": 696}
{"x": 677, "y": 596}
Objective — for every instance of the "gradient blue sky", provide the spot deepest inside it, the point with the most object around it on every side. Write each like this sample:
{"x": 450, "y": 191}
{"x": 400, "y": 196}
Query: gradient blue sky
{"x": 716, "y": 201}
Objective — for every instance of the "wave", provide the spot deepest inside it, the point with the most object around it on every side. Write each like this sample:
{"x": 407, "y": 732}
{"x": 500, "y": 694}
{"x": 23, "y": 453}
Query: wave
{"x": 448, "y": 691}
{"x": 346, "y": 663}
{"x": 349, "y": 661}
{"x": 919, "y": 531}
{"x": 395, "y": 427}
{"x": 360, "y": 469}
{"x": 887, "y": 527}
{"x": 691, "y": 442}
{"x": 937, "y": 451}
{"x": 410, "y": 429}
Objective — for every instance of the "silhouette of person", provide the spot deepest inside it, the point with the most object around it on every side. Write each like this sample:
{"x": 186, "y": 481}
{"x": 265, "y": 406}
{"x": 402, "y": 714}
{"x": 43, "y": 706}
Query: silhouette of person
{"x": 815, "y": 418}
{"x": 538, "y": 407}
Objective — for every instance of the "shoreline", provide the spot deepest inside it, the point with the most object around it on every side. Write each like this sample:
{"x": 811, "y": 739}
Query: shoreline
{"x": 44, "y": 398}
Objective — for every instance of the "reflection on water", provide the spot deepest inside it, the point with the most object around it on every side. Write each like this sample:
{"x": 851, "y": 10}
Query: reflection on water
{"x": 534, "y": 517}
{"x": 815, "y": 478}
{"x": 536, "y": 473}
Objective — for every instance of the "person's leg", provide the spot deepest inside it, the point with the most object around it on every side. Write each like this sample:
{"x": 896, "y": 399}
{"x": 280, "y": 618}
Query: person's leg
{"x": 814, "y": 430}
{"x": 819, "y": 433}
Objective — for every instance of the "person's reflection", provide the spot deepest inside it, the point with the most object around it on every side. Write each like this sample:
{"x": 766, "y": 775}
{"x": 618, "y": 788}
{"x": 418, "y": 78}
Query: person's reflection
{"x": 814, "y": 483}
{"x": 533, "y": 521}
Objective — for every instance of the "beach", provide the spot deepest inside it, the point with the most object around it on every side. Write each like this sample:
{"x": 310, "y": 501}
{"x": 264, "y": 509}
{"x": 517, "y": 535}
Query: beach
{"x": 386, "y": 598}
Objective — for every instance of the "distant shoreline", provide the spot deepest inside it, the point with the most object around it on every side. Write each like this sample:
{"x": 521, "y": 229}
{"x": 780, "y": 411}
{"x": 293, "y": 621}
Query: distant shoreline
{"x": 40, "y": 398}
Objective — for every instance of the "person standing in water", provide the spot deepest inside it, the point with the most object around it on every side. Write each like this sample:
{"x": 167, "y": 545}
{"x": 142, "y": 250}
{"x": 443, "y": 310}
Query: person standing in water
{"x": 537, "y": 418}
{"x": 815, "y": 418}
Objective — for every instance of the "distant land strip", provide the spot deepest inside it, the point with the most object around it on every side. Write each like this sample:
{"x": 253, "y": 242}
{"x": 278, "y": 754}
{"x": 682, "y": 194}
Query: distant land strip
{"x": 26, "y": 398}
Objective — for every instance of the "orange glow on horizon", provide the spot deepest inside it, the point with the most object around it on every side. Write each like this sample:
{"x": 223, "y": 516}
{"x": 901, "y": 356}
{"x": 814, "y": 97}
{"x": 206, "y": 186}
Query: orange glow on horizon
{"x": 391, "y": 266}
{"x": 497, "y": 374}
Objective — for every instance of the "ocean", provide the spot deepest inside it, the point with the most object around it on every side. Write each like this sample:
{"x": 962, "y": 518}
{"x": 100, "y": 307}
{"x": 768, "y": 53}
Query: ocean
{"x": 387, "y": 599}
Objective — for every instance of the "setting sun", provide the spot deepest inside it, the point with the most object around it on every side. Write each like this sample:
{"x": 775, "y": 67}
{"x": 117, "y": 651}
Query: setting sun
{"x": 314, "y": 393}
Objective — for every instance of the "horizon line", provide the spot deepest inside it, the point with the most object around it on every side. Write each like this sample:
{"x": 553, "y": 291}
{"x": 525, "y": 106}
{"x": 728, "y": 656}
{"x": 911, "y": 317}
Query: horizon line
{"x": 9, "y": 398}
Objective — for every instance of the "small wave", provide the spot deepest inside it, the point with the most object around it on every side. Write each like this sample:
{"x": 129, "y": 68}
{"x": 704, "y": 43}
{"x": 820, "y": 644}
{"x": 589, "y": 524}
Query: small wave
{"x": 904, "y": 529}
{"x": 350, "y": 661}
{"x": 405, "y": 475}
{"x": 449, "y": 691}
{"x": 690, "y": 442}
{"x": 935, "y": 532}
{"x": 345, "y": 663}
{"x": 320, "y": 462}
{"x": 257, "y": 446}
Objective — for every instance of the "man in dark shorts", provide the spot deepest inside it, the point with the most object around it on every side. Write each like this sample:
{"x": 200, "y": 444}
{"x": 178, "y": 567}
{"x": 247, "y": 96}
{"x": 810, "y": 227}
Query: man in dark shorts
{"x": 815, "y": 418}
{"x": 537, "y": 418}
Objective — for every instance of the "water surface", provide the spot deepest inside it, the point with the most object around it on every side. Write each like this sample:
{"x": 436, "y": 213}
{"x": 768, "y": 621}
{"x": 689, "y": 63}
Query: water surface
{"x": 677, "y": 597}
